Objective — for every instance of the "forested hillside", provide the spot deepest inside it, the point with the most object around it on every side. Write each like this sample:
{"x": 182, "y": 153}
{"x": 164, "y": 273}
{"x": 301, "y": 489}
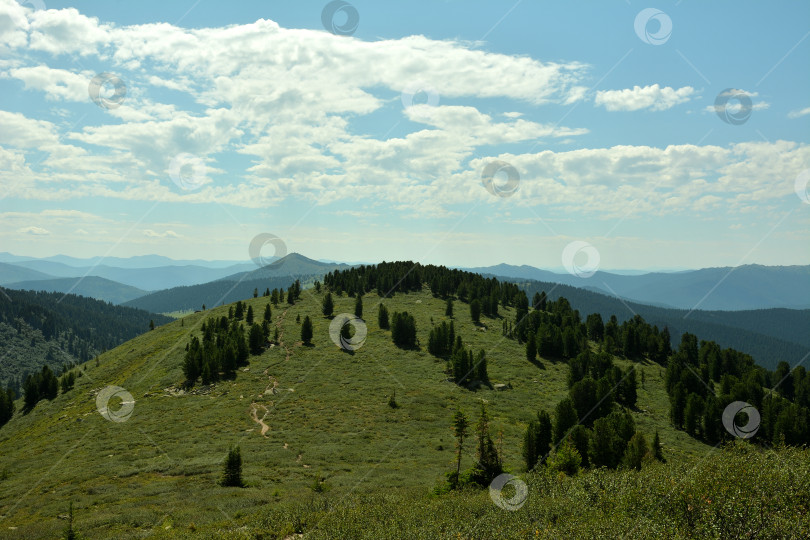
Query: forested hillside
{"x": 40, "y": 328}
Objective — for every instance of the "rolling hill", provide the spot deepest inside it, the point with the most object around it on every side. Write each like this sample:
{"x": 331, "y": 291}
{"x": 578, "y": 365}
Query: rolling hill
{"x": 325, "y": 455}
{"x": 90, "y": 286}
{"x": 234, "y": 287}
{"x": 11, "y": 273}
{"x": 746, "y": 287}
{"x": 770, "y": 335}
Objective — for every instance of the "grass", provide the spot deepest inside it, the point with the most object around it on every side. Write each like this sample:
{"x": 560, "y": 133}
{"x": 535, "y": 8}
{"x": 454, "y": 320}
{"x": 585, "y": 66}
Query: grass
{"x": 329, "y": 418}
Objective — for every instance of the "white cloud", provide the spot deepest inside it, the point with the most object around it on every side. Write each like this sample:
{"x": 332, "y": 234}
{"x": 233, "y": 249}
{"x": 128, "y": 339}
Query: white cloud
{"x": 799, "y": 113}
{"x": 166, "y": 234}
{"x": 56, "y": 83}
{"x": 37, "y": 231}
{"x": 652, "y": 97}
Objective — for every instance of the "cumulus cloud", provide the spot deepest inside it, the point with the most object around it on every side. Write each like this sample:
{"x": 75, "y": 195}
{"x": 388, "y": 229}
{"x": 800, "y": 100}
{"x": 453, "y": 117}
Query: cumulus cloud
{"x": 654, "y": 98}
{"x": 36, "y": 231}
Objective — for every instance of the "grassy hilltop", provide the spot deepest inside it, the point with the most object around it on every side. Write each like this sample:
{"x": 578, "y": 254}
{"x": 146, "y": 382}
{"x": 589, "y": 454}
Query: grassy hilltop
{"x": 336, "y": 461}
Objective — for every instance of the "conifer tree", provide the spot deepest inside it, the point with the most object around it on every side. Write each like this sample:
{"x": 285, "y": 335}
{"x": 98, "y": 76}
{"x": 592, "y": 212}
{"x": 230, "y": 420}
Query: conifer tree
{"x": 489, "y": 462}
{"x": 475, "y": 310}
{"x": 306, "y": 330}
{"x": 268, "y": 313}
{"x": 249, "y": 316}
{"x": 460, "y": 425}
{"x": 358, "y": 307}
{"x": 232, "y": 474}
{"x": 448, "y": 310}
{"x": 255, "y": 293}
{"x": 256, "y": 339}
{"x": 240, "y": 311}
{"x": 382, "y": 317}
{"x": 637, "y": 448}
{"x": 656, "y": 448}
{"x": 328, "y": 305}
{"x": 531, "y": 348}
{"x": 565, "y": 418}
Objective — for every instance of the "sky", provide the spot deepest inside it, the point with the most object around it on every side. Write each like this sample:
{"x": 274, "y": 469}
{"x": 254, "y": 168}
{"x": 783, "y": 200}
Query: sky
{"x": 613, "y": 134}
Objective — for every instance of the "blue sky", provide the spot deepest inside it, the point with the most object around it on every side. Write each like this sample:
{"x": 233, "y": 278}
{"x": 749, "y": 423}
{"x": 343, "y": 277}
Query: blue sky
{"x": 252, "y": 117}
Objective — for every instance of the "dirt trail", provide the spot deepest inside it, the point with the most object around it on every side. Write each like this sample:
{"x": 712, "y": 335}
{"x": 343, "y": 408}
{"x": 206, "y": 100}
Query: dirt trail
{"x": 254, "y": 412}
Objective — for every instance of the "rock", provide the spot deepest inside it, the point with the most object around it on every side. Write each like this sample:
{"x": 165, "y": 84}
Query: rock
{"x": 501, "y": 387}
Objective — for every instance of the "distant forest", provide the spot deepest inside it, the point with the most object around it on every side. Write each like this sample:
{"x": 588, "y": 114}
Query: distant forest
{"x": 47, "y": 328}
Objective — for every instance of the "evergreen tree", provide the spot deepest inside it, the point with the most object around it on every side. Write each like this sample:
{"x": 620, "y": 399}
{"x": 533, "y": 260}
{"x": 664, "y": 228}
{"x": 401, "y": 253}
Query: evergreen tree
{"x": 448, "y": 310}
{"x": 7, "y": 406}
{"x": 249, "y": 316}
{"x": 358, "y": 307}
{"x": 232, "y": 474}
{"x": 460, "y": 425}
{"x": 656, "y": 448}
{"x": 403, "y": 330}
{"x": 240, "y": 311}
{"x": 151, "y": 324}
{"x": 637, "y": 448}
{"x": 382, "y": 317}
{"x": 488, "y": 464}
{"x": 475, "y": 311}
{"x": 531, "y": 348}
{"x": 255, "y": 293}
{"x": 328, "y": 305}
{"x": 565, "y": 418}
{"x": 274, "y": 297}
{"x": 256, "y": 339}
{"x": 268, "y": 313}
{"x": 537, "y": 440}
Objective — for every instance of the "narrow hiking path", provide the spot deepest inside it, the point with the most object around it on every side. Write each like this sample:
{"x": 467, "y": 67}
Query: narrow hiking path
{"x": 254, "y": 412}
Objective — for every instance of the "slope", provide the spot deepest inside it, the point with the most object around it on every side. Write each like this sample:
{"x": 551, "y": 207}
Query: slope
{"x": 90, "y": 286}
{"x": 745, "y": 287}
{"x": 40, "y": 328}
{"x": 327, "y": 413}
{"x": 9, "y": 273}
{"x": 760, "y": 333}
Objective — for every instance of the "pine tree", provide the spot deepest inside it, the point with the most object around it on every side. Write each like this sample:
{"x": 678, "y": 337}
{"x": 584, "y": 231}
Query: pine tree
{"x": 448, "y": 310}
{"x": 256, "y": 339}
{"x": 328, "y": 305}
{"x": 358, "y": 307}
{"x": 151, "y": 324}
{"x": 249, "y": 316}
{"x": 240, "y": 311}
{"x": 531, "y": 348}
{"x": 489, "y": 462}
{"x": 460, "y": 425}
{"x": 475, "y": 311}
{"x": 268, "y": 313}
{"x": 306, "y": 330}
{"x": 232, "y": 474}
{"x": 656, "y": 448}
{"x": 255, "y": 293}
{"x": 565, "y": 418}
{"x": 382, "y": 317}
{"x": 566, "y": 458}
